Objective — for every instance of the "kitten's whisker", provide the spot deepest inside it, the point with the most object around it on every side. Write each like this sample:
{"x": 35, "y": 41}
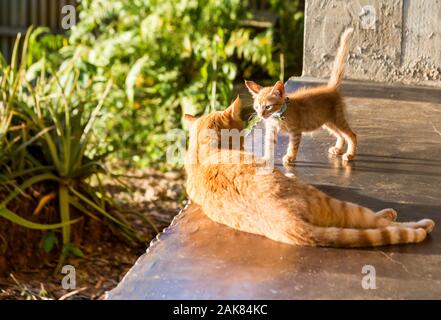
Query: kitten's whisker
{"x": 252, "y": 116}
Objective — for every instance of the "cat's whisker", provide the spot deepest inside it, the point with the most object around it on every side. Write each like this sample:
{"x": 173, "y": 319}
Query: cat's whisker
{"x": 252, "y": 116}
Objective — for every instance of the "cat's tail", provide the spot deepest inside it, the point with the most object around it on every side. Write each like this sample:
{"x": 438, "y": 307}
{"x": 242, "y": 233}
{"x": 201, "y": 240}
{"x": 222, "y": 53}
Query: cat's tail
{"x": 350, "y": 238}
{"x": 340, "y": 60}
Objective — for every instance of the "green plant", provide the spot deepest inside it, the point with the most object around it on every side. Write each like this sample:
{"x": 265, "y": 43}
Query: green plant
{"x": 166, "y": 58}
{"x": 45, "y": 44}
{"x": 172, "y": 57}
{"x": 47, "y": 137}
{"x": 288, "y": 37}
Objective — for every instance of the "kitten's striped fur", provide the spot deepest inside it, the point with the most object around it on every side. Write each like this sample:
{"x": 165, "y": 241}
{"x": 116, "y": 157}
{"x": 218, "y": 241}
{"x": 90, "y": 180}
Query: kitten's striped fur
{"x": 307, "y": 110}
{"x": 278, "y": 207}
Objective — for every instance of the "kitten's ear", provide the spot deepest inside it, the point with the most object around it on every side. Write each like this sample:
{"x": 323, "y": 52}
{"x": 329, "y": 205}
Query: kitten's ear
{"x": 253, "y": 87}
{"x": 278, "y": 89}
{"x": 189, "y": 120}
{"x": 234, "y": 109}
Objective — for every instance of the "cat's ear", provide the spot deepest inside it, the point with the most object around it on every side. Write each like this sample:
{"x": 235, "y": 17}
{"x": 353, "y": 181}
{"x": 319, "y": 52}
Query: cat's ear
{"x": 234, "y": 109}
{"x": 278, "y": 89}
{"x": 253, "y": 87}
{"x": 189, "y": 120}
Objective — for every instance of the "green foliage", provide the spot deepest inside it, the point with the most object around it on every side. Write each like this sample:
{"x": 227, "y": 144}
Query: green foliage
{"x": 166, "y": 58}
{"x": 72, "y": 250}
{"x": 44, "y": 44}
{"x": 47, "y": 137}
{"x": 50, "y": 241}
{"x": 288, "y": 37}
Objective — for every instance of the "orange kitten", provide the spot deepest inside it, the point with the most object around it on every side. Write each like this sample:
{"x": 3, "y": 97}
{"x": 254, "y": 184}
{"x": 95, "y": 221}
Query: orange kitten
{"x": 232, "y": 192}
{"x": 306, "y": 110}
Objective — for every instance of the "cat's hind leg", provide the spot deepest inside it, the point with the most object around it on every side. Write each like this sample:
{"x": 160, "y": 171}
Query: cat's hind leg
{"x": 351, "y": 139}
{"x": 330, "y": 212}
{"x": 350, "y": 215}
{"x": 349, "y": 135}
{"x": 339, "y": 144}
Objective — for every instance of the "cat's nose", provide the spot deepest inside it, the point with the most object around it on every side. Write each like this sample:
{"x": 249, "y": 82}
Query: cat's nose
{"x": 264, "y": 114}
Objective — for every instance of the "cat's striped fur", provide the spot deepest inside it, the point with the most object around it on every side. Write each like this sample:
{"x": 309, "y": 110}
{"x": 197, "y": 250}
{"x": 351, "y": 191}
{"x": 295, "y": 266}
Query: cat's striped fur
{"x": 307, "y": 110}
{"x": 278, "y": 207}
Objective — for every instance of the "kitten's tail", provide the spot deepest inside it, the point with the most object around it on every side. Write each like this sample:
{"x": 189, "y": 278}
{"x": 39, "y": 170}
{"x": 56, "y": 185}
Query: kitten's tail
{"x": 340, "y": 59}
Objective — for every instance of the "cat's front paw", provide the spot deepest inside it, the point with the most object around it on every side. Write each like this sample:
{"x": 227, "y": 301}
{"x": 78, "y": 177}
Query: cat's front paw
{"x": 288, "y": 160}
{"x": 266, "y": 159}
{"x": 427, "y": 224}
{"x": 348, "y": 157}
{"x": 335, "y": 150}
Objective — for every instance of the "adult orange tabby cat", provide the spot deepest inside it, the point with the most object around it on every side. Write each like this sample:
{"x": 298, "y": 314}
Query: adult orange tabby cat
{"x": 232, "y": 192}
{"x": 306, "y": 110}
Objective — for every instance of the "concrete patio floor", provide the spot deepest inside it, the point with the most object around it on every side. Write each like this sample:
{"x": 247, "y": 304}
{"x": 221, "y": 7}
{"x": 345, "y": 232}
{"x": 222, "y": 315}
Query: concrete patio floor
{"x": 398, "y": 165}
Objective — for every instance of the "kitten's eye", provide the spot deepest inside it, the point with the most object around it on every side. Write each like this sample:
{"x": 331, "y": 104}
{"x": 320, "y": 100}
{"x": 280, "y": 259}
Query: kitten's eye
{"x": 268, "y": 107}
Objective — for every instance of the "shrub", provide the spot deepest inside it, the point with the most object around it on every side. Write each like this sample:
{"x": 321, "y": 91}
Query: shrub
{"x": 47, "y": 137}
{"x": 166, "y": 58}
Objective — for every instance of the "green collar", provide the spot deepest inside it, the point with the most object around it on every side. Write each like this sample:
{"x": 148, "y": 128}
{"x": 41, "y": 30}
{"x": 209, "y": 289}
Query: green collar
{"x": 279, "y": 114}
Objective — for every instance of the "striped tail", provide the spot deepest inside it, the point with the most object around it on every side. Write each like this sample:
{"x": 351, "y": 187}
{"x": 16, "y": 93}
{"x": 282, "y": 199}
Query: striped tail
{"x": 340, "y": 60}
{"x": 350, "y": 238}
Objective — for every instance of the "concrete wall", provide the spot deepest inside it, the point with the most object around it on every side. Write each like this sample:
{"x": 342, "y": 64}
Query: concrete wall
{"x": 397, "y": 41}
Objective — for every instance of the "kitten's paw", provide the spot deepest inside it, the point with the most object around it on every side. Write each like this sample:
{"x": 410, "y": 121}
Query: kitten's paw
{"x": 290, "y": 175}
{"x": 389, "y": 214}
{"x": 348, "y": 157}
{"x": 335, "y": 150}
{"x": 266, "y": 159}
{"x": 288, "y": 160}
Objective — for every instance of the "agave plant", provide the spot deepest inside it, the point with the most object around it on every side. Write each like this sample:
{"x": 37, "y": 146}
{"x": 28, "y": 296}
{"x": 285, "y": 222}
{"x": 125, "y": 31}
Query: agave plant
{"x": 46, "y": 136}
